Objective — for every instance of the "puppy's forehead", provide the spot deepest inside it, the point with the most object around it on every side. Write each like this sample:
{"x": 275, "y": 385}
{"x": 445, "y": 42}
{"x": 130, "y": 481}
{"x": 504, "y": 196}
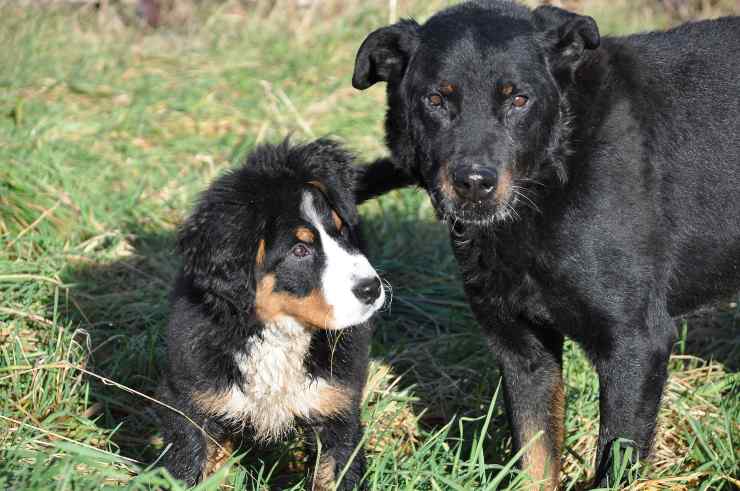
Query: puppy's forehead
{"x": 314, "y": 207}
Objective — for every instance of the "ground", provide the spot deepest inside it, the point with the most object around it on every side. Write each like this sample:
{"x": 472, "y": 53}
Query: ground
{"x": 108, "y": 129}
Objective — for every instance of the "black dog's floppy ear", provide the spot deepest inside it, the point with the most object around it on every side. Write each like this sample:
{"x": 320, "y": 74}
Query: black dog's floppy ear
{"x": 385, "y": 53}
{"x": 567, "y": 35}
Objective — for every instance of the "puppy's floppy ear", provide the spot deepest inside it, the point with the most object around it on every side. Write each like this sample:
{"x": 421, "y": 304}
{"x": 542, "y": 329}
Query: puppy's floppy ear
{"x": 219, "y": 244}
{"x": 566, "y": 35}
{"x": 385, "y": 53}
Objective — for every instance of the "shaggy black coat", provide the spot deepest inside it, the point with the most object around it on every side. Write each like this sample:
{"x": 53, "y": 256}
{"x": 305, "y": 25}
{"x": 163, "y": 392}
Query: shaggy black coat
{"x": 236, "y": 239}
{"x": 590, "y": 186}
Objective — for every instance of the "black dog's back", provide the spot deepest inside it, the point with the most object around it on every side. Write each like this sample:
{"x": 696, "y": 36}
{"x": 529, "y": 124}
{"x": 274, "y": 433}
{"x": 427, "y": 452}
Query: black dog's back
{"x": 682, "y": 166}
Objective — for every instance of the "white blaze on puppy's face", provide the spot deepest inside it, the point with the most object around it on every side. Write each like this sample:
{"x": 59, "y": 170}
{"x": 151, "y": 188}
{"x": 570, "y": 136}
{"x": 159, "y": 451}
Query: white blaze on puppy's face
{"x": 343, "y": 271}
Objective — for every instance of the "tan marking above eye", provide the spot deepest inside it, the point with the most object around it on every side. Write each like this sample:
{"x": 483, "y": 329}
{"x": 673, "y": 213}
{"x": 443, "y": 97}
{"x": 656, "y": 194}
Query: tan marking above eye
{"x": 311, "y": 310}
{"x": 507, "y": 89}
{"x": 305, "y": 234}
{"x": 446, "y": 88}
{"x": 337, "y": 221}
{"x": 318, "y": 185}
{"x": 260, "y": 253}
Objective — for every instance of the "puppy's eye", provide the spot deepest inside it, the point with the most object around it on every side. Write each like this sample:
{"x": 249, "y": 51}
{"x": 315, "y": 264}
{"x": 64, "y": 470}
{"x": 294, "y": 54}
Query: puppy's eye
{"x": 301, "y": 250}
{"x": 520, "y": 101}
{"x": 435, "y": 100}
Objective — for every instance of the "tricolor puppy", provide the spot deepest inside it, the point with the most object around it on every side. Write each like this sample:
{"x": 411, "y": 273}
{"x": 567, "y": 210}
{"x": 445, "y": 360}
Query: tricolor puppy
{"x": 269, "y": 327}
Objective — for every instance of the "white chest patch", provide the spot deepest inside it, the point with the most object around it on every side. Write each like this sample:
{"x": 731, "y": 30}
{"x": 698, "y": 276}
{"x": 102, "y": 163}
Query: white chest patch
{"x": 277, "y": 388}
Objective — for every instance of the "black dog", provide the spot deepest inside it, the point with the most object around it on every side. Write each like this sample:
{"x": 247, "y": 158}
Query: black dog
{"x": 269, "y": 323}
{"x": 591, "y": 187}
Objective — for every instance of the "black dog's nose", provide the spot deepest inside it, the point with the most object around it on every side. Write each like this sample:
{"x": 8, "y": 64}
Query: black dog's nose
{"x": 474, "y": 183}
{"x": 367, "y": 290}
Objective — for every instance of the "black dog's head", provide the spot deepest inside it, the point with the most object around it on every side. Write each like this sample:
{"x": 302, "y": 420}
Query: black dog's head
{"x": 476, "y": 104}
{"x": 278, "y": 237}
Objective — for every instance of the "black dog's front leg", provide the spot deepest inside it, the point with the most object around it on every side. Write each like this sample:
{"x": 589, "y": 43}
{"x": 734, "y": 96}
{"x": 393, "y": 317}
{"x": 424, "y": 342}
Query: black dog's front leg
{"x": 531, "y": 360}
{"x": 632, "y": 375}
{"x": 339, "y": 438}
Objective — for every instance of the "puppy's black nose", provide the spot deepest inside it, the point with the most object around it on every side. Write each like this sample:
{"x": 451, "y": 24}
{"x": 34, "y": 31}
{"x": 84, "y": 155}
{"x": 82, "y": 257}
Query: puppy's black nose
{"x": 367, "y": 290}
{"x": 474, "y": 183}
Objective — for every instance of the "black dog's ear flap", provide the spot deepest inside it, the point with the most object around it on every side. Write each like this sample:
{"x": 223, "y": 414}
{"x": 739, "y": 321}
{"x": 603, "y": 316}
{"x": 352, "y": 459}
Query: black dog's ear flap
{"x": 567, "y": 35}
{"x": 385, "y": 53}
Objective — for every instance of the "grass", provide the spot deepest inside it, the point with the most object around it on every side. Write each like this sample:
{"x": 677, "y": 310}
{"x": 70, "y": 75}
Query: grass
{"x": 108, "y": 130}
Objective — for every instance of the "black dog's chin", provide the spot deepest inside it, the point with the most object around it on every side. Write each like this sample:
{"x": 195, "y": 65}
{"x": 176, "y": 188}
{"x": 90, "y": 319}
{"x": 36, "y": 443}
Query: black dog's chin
{"x": 483, "y": 214}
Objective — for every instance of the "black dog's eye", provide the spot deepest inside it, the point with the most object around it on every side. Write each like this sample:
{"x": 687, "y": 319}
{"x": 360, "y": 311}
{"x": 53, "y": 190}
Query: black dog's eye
{"x": 435, "y": 100}
{"x": 520, "y": 101}
{"x": 301, "y": 250}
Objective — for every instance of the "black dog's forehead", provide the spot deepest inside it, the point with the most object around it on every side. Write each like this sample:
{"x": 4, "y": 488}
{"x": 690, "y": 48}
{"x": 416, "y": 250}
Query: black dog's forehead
{"x": 483, "y": 26}
{"x": 477, "y": 42}
{"x": 472, "y": 67}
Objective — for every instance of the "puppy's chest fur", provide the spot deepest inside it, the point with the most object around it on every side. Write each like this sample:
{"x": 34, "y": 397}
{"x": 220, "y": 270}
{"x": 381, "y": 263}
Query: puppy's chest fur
{"x": 276, "y": 387}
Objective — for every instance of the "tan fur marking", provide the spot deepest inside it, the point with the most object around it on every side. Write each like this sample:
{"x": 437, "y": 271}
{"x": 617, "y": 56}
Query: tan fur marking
{"x": 557, "y": 421}
{"x": 539, "y": 461}
{"x": 503, "y": 187}
{"x": 445, "y": 185}
{"x": 334, "y": 400}
{"x": 260, "y": 253}
{"x": 325, "y": 477}
{"x": 304, "y": 234}
{"x": 210, "y": 402}
{"x": 336, "y": 219}
{"x": 217, "y": 457}
{"x": 318, "y": 185}
{"x": 507, "y": 89}
{"x": 309, "y": 310}
{"x": 446, "y": 88}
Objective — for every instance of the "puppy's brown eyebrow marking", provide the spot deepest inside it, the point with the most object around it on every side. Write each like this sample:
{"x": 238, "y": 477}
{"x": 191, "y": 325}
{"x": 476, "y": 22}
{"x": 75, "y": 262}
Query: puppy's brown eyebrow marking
{"x": 318, "y": 185}
{"x": 304, "y": 234}
{"x": 447, "y": 88}
{"x": 506, "y": 89}
{"x": 260, "y": 253}
{"x": 336, "y": 219}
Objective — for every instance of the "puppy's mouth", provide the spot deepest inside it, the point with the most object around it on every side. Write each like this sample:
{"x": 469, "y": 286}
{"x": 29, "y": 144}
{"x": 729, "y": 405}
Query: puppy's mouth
{"x": 497, "y": 205}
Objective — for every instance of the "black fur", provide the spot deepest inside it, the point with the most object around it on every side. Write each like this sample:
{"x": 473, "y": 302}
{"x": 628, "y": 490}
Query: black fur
{"x": 213, "y": 304}
{"x": 626, "y": 160}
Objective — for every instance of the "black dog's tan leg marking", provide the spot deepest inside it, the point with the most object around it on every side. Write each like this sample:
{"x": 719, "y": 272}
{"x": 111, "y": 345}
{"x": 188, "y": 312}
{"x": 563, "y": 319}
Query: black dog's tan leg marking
{"x": 531, "y": 361}
{"x": 542, "y": 458}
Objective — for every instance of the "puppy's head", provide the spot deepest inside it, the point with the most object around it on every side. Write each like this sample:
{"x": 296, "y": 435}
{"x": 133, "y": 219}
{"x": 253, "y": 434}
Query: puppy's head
{"x": 474, "y": 101}
{"x": 279, "y": 238}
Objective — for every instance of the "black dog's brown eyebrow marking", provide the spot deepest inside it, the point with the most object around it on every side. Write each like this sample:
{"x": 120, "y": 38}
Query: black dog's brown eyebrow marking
{"x": 447, "y": 88}
{"x": 506, "y": 89}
